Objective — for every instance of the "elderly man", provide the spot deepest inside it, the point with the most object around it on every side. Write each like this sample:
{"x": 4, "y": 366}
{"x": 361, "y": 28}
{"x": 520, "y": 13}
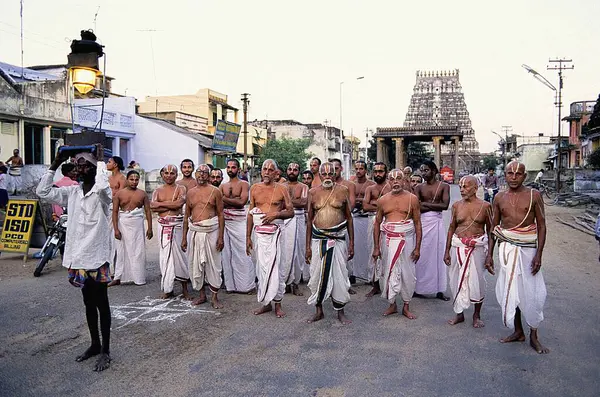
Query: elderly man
{"x": 216, "y": 177}
{"x": 469, "y": 236}
{"x": 168, "y": 201}
{"x": 434, "y": 196}
{"x": 399, "y": 219}
{"x": 270, "y": 204}
{"x": 329, "y": 221}
{"x": 88, "y": 243}
{"x": 239, "y": 273}
{"x": 204, "y": 220}
{"x": 370, "y": 205}
{"x": 294, "y": 230}
{"x": 519, "y": 226}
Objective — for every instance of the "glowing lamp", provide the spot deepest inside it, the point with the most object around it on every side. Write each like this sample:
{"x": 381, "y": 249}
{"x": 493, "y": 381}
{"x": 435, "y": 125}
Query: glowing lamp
{"x": 84, "y": 79}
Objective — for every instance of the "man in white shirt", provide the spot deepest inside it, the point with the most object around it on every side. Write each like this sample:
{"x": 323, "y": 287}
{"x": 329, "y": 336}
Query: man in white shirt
{"x": 539, "y": 176}
{"x": 88, "y": 245}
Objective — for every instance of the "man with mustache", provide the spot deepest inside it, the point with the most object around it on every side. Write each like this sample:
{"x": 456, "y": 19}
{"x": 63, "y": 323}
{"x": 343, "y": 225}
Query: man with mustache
{"x": 434, "y": 196}
{"x": 329, "y": 221}
{"x": 307, "y": 178}
{"x": 372, "y": 195}
{"x": 216, "y": 177}
{"x": 294, "y": 230}
{"x": 467, "y": 245}
{"x": 362, "y": 258}
{"x": 399, "y": 218}
{"x": 315, "y": 163}
{"x": 204, "y": 220}
{"x": 168, "y": 201}
{"x": 239, "y": 272}
{"x": 270, "y": 204}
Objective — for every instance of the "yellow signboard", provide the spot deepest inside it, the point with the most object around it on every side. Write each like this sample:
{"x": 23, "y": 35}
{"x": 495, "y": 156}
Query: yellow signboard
{"x": 18, "y": 225}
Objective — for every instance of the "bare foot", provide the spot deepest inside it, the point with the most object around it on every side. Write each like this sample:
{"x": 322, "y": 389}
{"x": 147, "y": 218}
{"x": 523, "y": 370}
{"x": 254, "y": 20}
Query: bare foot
{"x": 296, "y": 290}
{"x": 516, "y": 336}
{"x": 278, "y": 311}
{"x": 373, "y": 292}
{"x": 102, "y": 363}
{"x": 214, "y": 301}
{"x": 166, "y": 295}
{"x": 536, "y": 345}
{"x": 351, "y": 291}
{"x": 186, "y": 295}
{"x": 252, "y": 292}
{"x": 342, "y": 317}
{"x": 477, "y": 323}
{"x": 406, "y": 313}
{"x": 459, "y": 318}
{"x": 391, "y": 310}
{"x": 199, "y": 300}
{"x": 114, "y": 282}
{"x": 90, "y": 352}
{"x": 263, "y": 309}
{"x": 318, "y": 316}
{"x": 440, "y": 295}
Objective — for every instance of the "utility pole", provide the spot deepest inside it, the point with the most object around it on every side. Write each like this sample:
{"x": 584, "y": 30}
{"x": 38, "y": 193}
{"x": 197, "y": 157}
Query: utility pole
{"x": 506, "y": 129}
{"x": 246, "y": 101}
{"x": 563, "y": 64}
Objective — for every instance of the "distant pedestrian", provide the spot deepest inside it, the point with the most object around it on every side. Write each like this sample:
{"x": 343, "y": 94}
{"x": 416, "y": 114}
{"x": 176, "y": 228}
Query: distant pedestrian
{"x": 16, "y": 164}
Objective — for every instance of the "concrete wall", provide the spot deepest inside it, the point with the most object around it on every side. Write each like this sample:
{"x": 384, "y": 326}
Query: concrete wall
{"x": 534, "y": 155}
{"x": 154, "y": 146}
{"x": 586, "y": 181}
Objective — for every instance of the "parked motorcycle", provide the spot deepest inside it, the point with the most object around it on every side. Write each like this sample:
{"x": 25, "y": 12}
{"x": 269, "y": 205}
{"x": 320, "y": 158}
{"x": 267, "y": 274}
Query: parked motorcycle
{"x": 54, "y": 243}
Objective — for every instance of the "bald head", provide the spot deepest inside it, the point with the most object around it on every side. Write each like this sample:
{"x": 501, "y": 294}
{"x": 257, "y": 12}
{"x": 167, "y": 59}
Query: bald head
{"x": 468, "y": 187}
{"x": 468, "y": 179}
{"x": 516, "y": 165}
{"x": 515, "y": 174}
{"x": 396, "y": 178}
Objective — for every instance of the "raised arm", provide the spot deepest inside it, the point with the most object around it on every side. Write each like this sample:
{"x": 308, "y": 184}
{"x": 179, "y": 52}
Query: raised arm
{"x": 45, "y": 189}
{"x": 104, "y": 191}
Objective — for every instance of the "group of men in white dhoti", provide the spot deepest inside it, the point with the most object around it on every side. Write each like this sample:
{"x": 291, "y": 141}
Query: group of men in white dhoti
{"x": 408, "y": 251}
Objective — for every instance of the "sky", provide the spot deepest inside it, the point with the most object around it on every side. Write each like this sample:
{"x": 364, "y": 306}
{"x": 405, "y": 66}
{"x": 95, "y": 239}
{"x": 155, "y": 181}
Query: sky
{"x": 292, "y": 56}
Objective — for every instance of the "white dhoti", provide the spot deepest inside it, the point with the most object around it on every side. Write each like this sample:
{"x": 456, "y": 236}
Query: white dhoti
{"x": 293, "y": 237}
{"x": 239, "y": 272}
{"x": 431, "y": 269}
{"x": 173, "y": 263}
{"x": 328, "y": 269}
{"x": 398, "y": 276}
{"x": 516, "y": 286}
{"x": 268, "y": 254}
{"x": 362, "y": 263}
{"x": 130, "y": 265}
{"x": 467, "y": 270}
{"x": 203, "y": 257}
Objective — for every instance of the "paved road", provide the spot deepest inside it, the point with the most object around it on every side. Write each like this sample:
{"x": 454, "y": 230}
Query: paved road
{"x": 172, "y": 349}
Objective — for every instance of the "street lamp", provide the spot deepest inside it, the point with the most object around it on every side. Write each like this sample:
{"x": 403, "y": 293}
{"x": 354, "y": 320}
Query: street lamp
{"x": 83, "y": 62}
{"x": 504, "y": 143}
{"x": 341, "y": 112}
{"x": 558, "y": 103}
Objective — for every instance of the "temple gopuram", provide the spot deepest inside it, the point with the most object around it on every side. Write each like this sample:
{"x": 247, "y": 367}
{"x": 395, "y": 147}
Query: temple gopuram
{"x": 438, "y": 114}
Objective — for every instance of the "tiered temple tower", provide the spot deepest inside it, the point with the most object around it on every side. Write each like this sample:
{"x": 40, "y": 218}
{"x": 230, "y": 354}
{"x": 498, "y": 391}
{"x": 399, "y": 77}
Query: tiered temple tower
{"x": 438, "y": 101}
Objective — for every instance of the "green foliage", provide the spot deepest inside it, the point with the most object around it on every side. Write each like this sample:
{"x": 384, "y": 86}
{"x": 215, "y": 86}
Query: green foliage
{"x": 285, "y": 151}
{"x": 594, "y": 159}
{"x": 417, "y": 153}
{"x": 594, "y": 121}
{"x": 490, "y": 161}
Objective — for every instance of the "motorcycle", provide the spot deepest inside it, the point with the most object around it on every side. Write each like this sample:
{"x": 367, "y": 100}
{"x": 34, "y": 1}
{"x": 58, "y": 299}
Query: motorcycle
{"x": 54, "y": 243}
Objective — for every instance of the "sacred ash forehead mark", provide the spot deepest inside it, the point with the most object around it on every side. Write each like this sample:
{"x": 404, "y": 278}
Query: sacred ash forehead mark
{"x": 514, "y": 166}
{"x": 203, "y": 168}
{"x": 327, "y": 168}
{"x": 291, "y": 166}
{"x": 395, "y": 174}
{"x": 463, "y": 181}
{"x": 269, "y": 163}
{"x": 169, "y": 168}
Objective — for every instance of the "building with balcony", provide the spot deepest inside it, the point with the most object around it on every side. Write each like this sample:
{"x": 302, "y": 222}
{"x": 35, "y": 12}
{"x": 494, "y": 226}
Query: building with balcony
{"x": 580, "y": 145}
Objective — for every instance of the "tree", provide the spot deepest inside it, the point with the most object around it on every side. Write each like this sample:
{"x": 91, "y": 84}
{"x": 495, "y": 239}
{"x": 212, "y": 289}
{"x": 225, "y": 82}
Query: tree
{"x": 490, "y": 161}
{"x": 594, "y": 159}
{"x": 594, "y": 121}
{"x": 285, "y": 151}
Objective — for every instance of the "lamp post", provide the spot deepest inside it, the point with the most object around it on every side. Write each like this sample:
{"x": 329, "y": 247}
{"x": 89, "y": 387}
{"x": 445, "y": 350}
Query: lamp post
{"x": 504, "y": 142}
{"x": 558, "y": 103}
{"x": 341, "y": 113}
